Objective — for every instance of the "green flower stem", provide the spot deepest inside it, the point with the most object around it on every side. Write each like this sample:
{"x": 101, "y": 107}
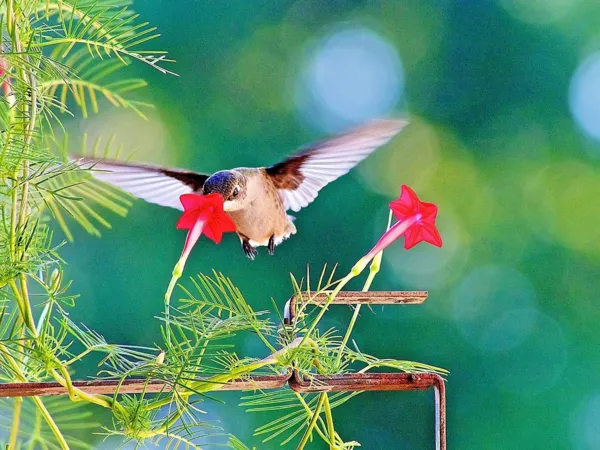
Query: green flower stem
{"x": 177, "y": 272}
{"x": 373, "y": 270}
{"x": 313, "y": 422}
{"x": 14, "y": 431}
{"x": 343, "y": 282}
{"x": 329, "y": 417}
{"x": 309, "y": 413}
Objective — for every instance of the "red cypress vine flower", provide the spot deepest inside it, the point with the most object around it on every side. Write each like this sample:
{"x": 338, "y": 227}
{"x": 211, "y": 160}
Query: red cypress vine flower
{"x": 203, "y": 214}
{"x": 416, "y": 222}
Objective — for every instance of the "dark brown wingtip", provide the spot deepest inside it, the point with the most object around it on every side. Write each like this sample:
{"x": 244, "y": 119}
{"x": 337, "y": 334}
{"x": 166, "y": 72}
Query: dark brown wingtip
{"x": 287, "y": 174}
{"x": 192, "y": 179}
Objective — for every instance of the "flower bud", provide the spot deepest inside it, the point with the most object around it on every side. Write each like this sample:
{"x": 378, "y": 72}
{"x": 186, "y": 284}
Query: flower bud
{"x": 55, "y": 280}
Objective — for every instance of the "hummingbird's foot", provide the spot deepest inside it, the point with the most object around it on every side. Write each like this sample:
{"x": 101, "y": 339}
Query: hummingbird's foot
{"x": 271, "y": 246}
{"x": 249, "y": 251}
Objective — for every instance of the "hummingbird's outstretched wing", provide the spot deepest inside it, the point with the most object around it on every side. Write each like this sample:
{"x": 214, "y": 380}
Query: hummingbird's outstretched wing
{"x": 151, "y": 183}
{"x": 300, "y": 177}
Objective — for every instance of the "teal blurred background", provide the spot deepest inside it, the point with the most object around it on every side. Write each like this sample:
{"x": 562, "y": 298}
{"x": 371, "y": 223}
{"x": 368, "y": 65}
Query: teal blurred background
{"x": 504, "y": 102}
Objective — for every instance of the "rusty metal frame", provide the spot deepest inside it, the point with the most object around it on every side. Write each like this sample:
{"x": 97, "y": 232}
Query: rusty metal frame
{"x": 335, "y": 383}
{"x": 373, "y": 381}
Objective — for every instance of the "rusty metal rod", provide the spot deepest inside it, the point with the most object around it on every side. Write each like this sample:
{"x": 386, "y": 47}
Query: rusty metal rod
{"x": 132, "y": 386}
{"x": 440, "y": 415}
{"x": 366, "y": 382}
{"x": 372, "y": 298}
{"x": 355, "y": 298}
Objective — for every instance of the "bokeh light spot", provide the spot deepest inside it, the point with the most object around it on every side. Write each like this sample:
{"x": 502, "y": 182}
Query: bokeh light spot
{"x": 557, "y": 205}
{"x": 584, "y": 96}
{"x": 130, "y": 134}
{"x": 539, "y": 12}
{"x": 535, "y": 365}
{"x": 585, "y": 424}
{"x": 352, "y": 75}
{"x": 483, "y": 298}
{"x": 509, "y": 329}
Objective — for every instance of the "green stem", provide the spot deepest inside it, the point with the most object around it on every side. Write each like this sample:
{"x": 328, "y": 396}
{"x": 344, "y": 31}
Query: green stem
{"x": 329, "y": 417}
{"x": 343, "y": 282}
{"x": 51, "y": 424}
{"x": 309, "y": 413}
{"x": 373, "y": 270}
{"x": 13, "y": 226}
{"x": 14, "y": 432}
{"x": 312, "y": 423}
{"x": 177, "y": 272}
{"x": 77, "y": 394}
{"x": 164, "y": 429}
{"x": 18, "y": 298}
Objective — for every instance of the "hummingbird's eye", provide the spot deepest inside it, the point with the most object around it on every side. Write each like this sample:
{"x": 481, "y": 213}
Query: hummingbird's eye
{"x": 235, "y": 193}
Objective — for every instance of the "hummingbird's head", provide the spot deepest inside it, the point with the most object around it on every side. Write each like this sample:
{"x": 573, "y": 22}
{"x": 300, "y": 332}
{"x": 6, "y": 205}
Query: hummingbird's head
{"x": 231, "y": 184}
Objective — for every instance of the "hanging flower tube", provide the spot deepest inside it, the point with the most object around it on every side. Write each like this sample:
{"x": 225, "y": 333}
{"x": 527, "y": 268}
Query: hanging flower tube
{"x": 203, "y": 214}
{"x": 416, "y": 222}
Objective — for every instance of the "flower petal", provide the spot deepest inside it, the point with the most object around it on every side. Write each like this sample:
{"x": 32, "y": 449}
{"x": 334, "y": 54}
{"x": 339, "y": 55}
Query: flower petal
{"x": 226, "y": 223}
{"x": 213, "y": 232}
{"x": 406, "y": 205}
{"x": 191, "y": 201}
{"x": 412, "y": 237}
{"x": 428, "y": 211}
{"x": 431, "y": 234}
{"x": 187, "y": 219}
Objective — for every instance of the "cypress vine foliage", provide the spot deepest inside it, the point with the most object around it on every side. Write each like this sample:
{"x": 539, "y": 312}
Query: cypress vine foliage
{"x": 57, "y": 59}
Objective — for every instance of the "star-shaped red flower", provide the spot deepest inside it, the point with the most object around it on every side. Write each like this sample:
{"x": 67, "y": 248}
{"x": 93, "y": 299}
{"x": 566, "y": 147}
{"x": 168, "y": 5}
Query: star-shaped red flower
{"x": 416, "y": 222}
{"x": 424, "y": 229}
{"x": 207, "y": 209}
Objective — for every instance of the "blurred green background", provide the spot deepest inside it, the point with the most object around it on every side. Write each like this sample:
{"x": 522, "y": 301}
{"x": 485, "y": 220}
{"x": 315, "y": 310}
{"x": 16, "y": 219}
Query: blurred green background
{"x": 504, "y": 102}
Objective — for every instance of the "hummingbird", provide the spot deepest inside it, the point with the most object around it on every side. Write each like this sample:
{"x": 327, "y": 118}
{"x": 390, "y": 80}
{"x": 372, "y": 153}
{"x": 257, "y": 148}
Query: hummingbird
{"x": 256, "y": 199}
